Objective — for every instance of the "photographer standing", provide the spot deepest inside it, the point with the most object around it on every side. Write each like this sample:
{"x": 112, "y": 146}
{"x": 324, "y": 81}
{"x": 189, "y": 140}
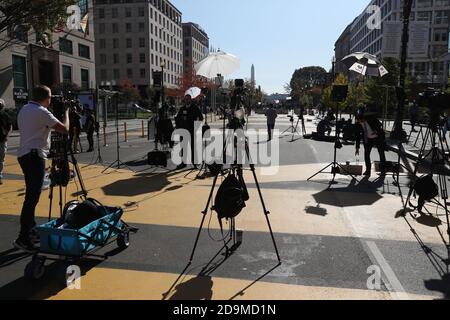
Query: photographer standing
{"x": 35, "y": 123}
{"x": 272, "y": 116}
{"x": 187, "y": 116}
{"x": 370, "y": 131}
{"x": 5, "y": 130}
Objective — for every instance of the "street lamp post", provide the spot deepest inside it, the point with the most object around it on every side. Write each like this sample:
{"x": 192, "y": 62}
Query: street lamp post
{"x": 398, "y": 132}
{"x": 163, "y": 65}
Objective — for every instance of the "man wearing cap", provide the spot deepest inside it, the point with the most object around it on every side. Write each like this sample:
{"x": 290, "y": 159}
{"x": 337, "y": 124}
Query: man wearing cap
{"x": 5, "y": 130}
{"x": 370, "y": 131}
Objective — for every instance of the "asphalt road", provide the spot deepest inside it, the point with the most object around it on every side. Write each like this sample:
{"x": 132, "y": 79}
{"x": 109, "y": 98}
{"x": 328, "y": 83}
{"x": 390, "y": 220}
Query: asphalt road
{"x": 309, "y": 260}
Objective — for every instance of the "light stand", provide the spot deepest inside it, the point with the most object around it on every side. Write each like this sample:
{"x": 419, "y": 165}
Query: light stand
{"x": 99, "y": 158}
{"x": 118, "y": 163}
{"x": 336, "y": 168}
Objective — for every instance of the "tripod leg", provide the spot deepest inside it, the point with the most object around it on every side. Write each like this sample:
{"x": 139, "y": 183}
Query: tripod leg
{"x": 205, "y": 212}
{"x": 321, "y": 171}
{"x": 266, "y": 212}
{"x": 51, "y": 202}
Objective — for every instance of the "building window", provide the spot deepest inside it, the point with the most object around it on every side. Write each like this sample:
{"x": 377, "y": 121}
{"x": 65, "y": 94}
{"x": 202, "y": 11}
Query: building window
{"x": 129, "y": 58}
{"x": 65, "y": 46}
{"x": 115, "y": 28}
{"x": 141, "y": 27}
{"x": 141, "y": 12}
{"x": 84, "y": 51}
{"x": 128, "y": 27}
{"x": 19, "y": 72}
{"x": 143, "y": 73}
{"x": 67, "y": 74}
{"x": 129, "y": 43}
{"x": 115, "y": 13}
{"x": 103, "y": 59}
{"x": 115, "y": 43}
{"x": 142, "y": 42}
{"x": 142, "y": 58}
{"x": 116, "y": 74}
{"x": 103, "y": 74}
{"x": 128, "y": 12}
{"x": 116, "y": 58}
{"x": 101, "y": 13}
{"x": 84, "y": 79}
{"x": 83, "y": 4}
{"x": 130, "y": 73}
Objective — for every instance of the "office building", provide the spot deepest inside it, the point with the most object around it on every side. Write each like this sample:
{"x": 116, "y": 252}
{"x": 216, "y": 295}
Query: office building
{"x": 196, "y": 45}
{"x": 136, "y": 38}
{"x": 428, "y": 46}
{"x": 49, "y": 59}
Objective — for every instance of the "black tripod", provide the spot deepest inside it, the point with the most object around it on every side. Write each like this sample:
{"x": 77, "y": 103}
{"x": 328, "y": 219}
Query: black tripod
{"x": 118, "y": 163}
{"x": 292, "y": 129}
{"x": 60, "y": 174}
{"x": 233, "y": 237}
{"x": 439, "y": 159}
{"x": 336, "y": 168}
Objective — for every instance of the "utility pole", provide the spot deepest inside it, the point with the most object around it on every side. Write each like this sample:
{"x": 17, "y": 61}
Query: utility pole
{"x": 398, "y": 133}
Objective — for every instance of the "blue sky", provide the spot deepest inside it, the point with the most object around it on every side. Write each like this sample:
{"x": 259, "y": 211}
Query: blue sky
{"x": 277, "y": 36}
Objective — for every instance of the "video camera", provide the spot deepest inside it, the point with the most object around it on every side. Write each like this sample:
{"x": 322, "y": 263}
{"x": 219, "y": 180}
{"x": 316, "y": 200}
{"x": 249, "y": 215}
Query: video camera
{"x": 435, "y": 100}
{"x": 60, "y": 103}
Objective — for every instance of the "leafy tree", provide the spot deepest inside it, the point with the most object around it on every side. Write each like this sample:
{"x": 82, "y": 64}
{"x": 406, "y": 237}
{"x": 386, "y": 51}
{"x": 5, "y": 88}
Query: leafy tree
{"x": 306, "y": 78}
{"x": 37, "y": 15}
{"x": 129, "y": 92}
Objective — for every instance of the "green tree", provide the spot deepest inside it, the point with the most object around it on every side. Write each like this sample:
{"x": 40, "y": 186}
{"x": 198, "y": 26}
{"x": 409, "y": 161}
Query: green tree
{"x": 381, "y": 91}
{"x": 37, "y": 15}
{"x": 304, "y": 79}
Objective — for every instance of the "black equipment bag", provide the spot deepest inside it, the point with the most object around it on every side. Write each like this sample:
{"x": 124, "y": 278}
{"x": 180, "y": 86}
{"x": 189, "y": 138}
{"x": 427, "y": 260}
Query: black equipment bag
{"x": 78, "y": 215}
{"x": 426, "y": 189}
{"x": 157, "y": 159}
{"x": 230, "y": 199}
{"x": 165, "y": 130}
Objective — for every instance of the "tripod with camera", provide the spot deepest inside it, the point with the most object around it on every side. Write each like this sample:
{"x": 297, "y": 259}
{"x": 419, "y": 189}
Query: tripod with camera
{"x": 339, "y": 94}
{"x": 293, "y": 129}
{"x": 60, "y": 173}
{"x": 237, "y": 192}
{"x": 426, "y": 187}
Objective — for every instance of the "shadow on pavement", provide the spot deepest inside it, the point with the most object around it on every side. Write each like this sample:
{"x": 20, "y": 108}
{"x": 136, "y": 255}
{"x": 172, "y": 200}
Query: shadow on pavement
{"x": 367, "y": 195}
{"x": 12, "y": 256}
{"x": 50, "y": 285}
{"x": 199, "y": 288}
{"x": 317, "y": 211}
{"x": 137, "y": 185}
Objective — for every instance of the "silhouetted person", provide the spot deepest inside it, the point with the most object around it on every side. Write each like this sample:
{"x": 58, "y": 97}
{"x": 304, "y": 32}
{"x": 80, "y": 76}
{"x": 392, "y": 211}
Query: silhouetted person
{"x": 90, "y": 129}
{"x": 370, "y": 131}
{"x": 5, "y": 130}
{"x": 271, "y": 115}
{"x": 187, "y": 116}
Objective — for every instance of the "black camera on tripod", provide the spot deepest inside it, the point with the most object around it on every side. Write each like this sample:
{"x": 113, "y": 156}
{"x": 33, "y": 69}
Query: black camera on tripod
{"x": 435, "y": 100}
{"x": 237, "y": 116}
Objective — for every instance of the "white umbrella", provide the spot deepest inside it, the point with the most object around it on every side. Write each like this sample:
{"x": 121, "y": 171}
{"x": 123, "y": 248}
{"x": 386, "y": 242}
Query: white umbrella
{"x": 194, "y": 92}
{"x": 217, "y": 63}
{"x": 365, "y": 64}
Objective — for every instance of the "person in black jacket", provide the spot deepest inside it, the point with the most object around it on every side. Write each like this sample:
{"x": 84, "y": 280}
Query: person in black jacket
{"x": 370, "y": 131}
{"x": 187, "y": 116}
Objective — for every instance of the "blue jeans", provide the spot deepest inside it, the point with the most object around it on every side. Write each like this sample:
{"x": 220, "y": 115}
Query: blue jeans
{"x": 33, "y": 168}
{"x": 3, "y": 148}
